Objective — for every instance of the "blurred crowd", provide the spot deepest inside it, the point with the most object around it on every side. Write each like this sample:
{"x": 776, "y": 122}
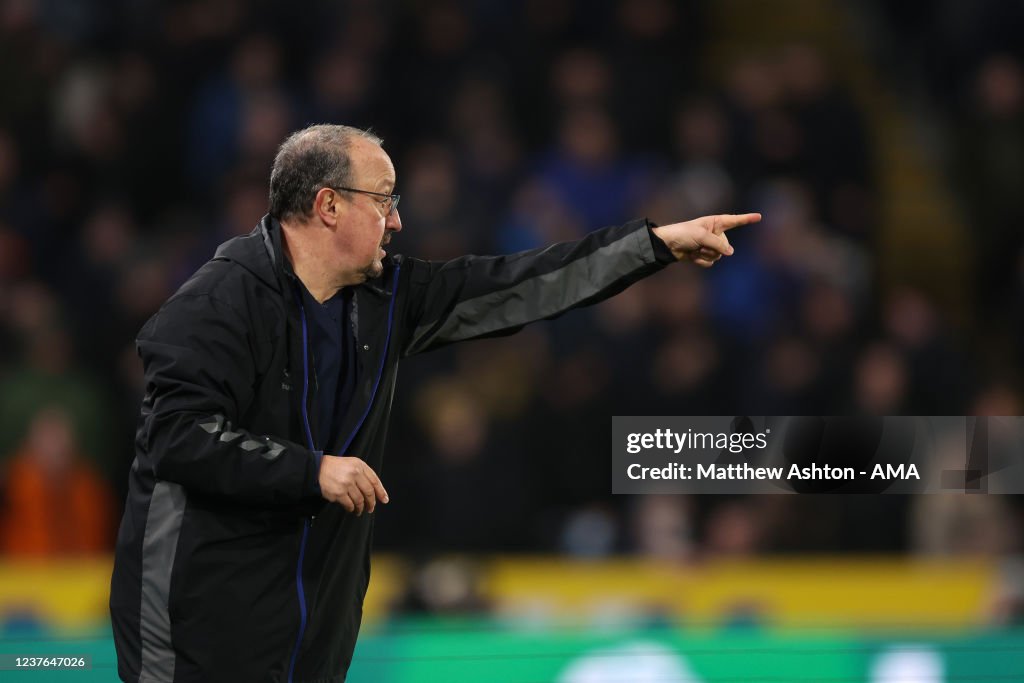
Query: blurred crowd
{"x": 136, "y": 136}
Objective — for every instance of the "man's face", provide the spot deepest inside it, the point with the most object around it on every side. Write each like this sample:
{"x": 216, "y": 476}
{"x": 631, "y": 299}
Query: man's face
{"x": 364, "y": 226}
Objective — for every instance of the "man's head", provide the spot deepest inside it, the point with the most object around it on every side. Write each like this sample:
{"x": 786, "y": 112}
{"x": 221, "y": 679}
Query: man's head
{"x": 332, "y": 184}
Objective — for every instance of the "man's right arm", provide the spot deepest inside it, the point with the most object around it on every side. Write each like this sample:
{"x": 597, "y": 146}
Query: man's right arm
{"x": 200, "y": 376}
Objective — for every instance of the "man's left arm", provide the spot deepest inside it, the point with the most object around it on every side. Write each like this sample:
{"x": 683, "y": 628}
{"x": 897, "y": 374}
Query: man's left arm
{"x": 482, "y": 296}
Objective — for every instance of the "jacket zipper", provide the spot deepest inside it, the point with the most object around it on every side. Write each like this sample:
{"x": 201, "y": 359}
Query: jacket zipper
{"x": 344, "y": 448}
{"x": 305, "y": 522}
{"x": 383, "y": 360}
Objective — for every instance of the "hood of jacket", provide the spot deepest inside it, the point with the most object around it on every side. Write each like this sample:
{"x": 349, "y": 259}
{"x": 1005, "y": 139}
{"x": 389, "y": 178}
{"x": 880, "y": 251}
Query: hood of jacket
{"x": 261, "y": 252}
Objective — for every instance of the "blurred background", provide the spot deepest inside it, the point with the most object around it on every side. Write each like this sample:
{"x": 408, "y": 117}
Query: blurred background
{"x": 882, "y": 141}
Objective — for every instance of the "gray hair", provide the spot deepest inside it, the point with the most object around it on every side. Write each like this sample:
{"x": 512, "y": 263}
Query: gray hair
{"x": 308, "y": 160}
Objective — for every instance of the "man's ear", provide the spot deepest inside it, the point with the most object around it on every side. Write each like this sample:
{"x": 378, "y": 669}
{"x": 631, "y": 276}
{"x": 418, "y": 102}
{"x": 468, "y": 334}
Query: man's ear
{"x": 327, "y": 205}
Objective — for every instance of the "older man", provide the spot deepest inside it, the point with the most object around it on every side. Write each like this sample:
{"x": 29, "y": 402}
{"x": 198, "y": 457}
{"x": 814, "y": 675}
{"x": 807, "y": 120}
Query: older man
{"x": 244, "y": 552}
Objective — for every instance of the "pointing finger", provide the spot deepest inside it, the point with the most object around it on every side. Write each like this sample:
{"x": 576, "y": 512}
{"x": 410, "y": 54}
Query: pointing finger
{"x": 728, "y": 221}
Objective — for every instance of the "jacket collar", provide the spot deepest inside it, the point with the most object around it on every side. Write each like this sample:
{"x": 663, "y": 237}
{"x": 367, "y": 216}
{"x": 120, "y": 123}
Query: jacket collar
{"x": 260, "y": 252}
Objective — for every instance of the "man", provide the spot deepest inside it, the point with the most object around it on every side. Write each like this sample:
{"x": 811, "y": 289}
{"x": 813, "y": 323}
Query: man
{"x": 244, "y": 550}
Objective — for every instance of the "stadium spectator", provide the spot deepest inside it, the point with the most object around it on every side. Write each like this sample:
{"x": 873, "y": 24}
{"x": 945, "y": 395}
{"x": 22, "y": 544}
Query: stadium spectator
{"x": 55, "y": 502}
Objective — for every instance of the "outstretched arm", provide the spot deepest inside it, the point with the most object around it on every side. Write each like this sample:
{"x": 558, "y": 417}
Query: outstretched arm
{"x": 474, "y": 296}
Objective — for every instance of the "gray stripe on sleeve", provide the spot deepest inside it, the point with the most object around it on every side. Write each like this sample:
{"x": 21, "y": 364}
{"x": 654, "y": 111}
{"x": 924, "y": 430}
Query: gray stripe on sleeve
{"x": 213, "y": 424}
{"x": 163, "y": 526}
{"x": 541, "y": 296}
{"x": 274, "y": 449}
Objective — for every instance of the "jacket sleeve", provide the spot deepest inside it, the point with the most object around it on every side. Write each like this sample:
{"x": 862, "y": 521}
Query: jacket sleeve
{"x": 200, "y": 375}
{"x": 483, "y": 296}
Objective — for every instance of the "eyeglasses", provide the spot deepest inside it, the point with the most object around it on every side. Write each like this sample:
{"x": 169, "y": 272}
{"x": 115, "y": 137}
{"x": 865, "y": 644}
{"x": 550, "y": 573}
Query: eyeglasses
{"x": 389, "y": 202}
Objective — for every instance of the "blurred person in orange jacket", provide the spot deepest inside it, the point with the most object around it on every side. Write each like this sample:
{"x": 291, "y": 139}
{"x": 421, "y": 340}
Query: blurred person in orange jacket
{"x": 54, "y": 501}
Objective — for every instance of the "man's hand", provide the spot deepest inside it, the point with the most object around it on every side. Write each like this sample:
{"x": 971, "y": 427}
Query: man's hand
{"x": 703, "y": 240}
{"x": 350, "y": 482}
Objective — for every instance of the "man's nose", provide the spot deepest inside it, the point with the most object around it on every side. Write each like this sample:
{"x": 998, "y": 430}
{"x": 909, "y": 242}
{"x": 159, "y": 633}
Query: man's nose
{"x": 394, "y": 221}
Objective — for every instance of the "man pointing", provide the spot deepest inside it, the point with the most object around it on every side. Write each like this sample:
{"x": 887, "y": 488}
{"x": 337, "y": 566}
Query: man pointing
{"x": 244, "y": 551}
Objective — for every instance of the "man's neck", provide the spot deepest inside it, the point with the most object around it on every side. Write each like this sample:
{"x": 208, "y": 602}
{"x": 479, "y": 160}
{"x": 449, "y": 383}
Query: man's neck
{"x": 303, "y": 254}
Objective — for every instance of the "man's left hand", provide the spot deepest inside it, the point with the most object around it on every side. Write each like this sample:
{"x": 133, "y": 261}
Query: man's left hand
{"x": 703, "y": 240}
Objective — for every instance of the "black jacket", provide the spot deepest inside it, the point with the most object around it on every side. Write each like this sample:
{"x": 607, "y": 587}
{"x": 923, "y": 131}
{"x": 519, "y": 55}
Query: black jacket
{"x": 229, "y": 565}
